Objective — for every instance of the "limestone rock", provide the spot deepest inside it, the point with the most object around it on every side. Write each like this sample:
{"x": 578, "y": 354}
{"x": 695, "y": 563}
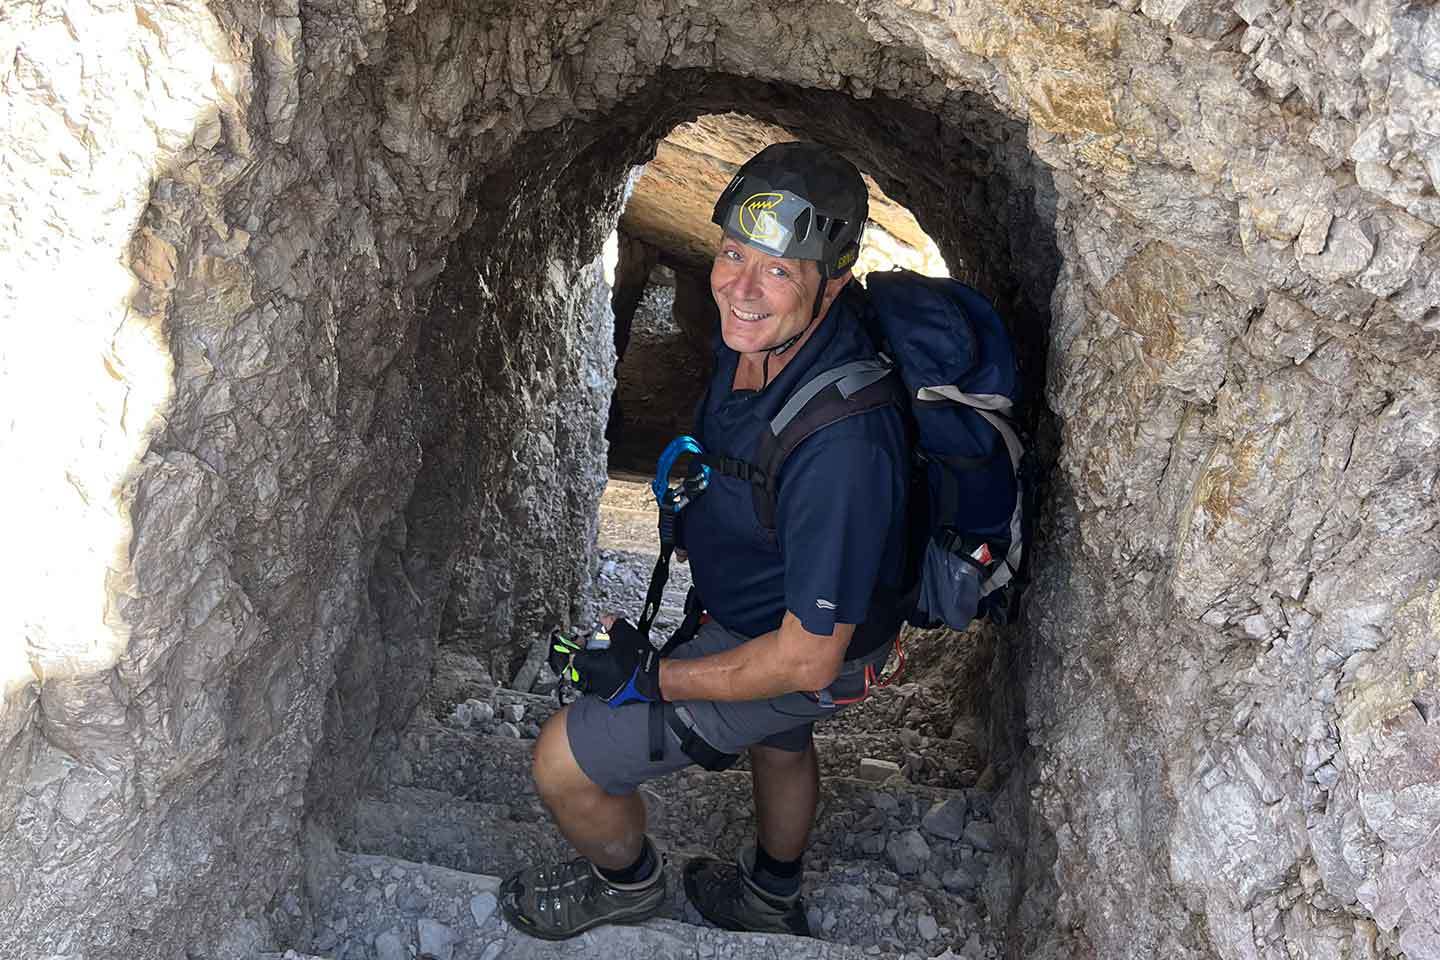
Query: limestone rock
{"x": 947, "y": 819}
{"x": 908, "y": 852}
{"x": 436, "y": 938}
{"x": 877, "y": 770}
{"x": 980, "y": 834}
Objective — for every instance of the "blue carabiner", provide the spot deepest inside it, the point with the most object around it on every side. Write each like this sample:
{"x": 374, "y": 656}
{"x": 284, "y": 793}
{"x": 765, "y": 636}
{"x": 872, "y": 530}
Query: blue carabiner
{"x": 674, "y": 498}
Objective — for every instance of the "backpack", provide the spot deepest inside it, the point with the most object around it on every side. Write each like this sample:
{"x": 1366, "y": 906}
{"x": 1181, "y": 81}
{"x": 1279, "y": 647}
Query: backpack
{"x": 948, "y": 362}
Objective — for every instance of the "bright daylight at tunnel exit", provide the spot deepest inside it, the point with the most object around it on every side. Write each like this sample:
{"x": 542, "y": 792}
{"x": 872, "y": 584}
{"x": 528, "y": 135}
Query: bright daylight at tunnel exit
{"x": 840, "y": 479}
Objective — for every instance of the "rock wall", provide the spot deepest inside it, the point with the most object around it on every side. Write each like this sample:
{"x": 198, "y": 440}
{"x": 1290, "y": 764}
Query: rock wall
{"x": 303, "y": 370}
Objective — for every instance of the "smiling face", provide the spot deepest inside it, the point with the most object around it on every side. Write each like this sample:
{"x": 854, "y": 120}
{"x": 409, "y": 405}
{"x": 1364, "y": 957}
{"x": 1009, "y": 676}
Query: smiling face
{"x": 763, "y": 300}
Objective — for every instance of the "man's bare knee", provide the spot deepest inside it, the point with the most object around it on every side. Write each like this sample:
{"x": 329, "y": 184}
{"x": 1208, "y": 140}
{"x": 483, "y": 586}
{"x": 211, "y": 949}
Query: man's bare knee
{"x": 554, "y": 767}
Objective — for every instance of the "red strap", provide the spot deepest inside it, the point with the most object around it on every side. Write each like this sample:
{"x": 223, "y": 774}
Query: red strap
{"x": 872, "y": 679}
{"x": 900, "y": 666}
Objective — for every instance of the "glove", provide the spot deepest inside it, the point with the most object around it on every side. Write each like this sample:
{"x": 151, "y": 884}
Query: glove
{"x": 628, "y": 671}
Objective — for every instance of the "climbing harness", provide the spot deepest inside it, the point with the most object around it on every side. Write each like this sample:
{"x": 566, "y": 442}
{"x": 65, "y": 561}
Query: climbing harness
{"x": 869, "y": 668}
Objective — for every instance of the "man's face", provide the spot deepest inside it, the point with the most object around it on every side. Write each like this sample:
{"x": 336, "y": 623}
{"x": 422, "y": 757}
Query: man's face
{"x": 763, "y": 300}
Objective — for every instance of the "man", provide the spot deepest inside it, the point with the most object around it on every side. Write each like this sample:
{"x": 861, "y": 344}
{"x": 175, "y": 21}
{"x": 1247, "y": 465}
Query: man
{"x": 781, "y": 648}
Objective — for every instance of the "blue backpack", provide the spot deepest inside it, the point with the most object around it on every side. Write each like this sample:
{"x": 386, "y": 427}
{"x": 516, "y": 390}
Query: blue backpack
{"x": 957, "y": 379}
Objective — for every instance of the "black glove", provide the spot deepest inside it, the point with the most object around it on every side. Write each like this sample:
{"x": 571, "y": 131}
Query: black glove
{"x": 627, "y": 671}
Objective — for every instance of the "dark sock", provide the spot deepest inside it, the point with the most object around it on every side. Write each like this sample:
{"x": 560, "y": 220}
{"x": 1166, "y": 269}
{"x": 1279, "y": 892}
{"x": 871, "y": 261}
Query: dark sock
{"x": 780, "y": 877}
{"x": 639, "y": 871}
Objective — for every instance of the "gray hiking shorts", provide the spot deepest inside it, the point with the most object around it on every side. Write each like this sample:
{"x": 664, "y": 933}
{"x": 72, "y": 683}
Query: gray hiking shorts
{"x": 612, "y": 744}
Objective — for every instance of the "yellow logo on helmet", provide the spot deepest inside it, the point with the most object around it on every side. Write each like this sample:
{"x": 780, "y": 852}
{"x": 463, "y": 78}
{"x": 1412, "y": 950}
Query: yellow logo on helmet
{"x": 758, "y": 221}
{"x": 846, "y": 258}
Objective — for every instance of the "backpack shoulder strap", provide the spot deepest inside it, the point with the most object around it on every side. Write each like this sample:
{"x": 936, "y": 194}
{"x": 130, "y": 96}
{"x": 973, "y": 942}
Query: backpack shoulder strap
{"x": 830, "y": 397}
{"x": 849, "y": 379}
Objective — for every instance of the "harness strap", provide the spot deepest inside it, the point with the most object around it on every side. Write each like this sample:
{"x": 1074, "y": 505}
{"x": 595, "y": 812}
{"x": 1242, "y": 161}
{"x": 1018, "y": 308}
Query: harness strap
{"x": 657, "y": 731}
{"x": 868, "y": 668}
{"x": 689, "y": 626}
{"x": 1013, "y": 556}
{"x": 661, "y": 574}
{"x": 695, "y": 746}
{"x": 653, "y": 596}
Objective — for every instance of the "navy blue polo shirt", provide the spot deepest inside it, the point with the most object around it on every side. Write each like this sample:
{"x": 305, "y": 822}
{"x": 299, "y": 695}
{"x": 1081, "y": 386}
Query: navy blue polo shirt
{"x": 837, "y": 551}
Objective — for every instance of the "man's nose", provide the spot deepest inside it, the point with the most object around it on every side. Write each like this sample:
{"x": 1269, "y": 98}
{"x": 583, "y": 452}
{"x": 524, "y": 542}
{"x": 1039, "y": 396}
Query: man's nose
{"x": 747, "y": 282}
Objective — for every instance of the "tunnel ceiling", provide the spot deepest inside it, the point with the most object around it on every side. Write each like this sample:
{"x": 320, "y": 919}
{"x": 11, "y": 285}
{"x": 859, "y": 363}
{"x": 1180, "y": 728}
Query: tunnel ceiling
{"x": 319, "y": 281}
{"x": 671, "y": 202}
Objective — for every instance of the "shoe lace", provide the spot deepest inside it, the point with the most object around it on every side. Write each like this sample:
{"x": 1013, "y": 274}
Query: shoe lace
{"x": 572, "y": 882}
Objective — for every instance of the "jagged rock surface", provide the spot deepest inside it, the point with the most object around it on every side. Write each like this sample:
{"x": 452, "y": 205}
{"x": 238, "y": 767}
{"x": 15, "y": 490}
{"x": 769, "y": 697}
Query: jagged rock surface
{"x": 315, "y": 280}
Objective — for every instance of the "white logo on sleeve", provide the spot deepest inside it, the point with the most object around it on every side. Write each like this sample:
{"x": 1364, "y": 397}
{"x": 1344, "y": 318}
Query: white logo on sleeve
{"x": 824, "y": 604}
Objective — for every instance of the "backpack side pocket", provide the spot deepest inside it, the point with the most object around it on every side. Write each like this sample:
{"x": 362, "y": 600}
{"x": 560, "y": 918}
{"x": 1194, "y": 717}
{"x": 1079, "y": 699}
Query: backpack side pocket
{"x": 949, "y": 587}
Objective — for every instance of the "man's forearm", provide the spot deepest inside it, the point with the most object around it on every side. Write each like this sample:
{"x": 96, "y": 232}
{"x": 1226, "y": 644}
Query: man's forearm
{"x": 738, "y": 674}
{"x": 782, "y": 661}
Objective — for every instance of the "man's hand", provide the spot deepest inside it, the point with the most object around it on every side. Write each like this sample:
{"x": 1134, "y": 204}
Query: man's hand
{"x": 628, "y": 671}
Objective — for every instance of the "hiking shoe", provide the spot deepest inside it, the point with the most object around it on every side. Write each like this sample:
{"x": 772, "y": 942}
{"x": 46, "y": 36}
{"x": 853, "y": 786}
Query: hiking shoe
{"x": 727, "y": 896}
{"x": 557, "y": 901}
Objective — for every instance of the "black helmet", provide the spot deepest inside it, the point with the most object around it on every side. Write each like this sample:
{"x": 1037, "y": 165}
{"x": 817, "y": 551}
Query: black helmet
{"x": 801, "y": 201}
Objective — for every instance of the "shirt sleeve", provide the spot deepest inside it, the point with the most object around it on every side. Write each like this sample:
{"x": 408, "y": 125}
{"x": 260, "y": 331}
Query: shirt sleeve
{"x": 841, "y": 499}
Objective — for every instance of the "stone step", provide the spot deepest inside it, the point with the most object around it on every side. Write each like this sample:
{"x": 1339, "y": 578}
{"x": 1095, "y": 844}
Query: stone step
{"x": 383, "y": 908}
{"x": 925, "y": 843}
{"x": 862, "y": 902}
{"x": 484, "y": 768}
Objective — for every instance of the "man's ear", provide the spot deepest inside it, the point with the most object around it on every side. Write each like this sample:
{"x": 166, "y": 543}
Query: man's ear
{"x": 833, "y": 286}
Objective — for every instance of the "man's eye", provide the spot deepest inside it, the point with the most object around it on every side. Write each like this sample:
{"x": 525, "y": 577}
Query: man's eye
{"x": 779, "y": 272}
{"x": 730, "y": 254}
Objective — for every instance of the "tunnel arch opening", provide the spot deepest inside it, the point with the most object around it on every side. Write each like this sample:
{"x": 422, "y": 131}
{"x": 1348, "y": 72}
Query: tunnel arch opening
{"x": 519, "y": 294}
{"x": 540, "y": 221}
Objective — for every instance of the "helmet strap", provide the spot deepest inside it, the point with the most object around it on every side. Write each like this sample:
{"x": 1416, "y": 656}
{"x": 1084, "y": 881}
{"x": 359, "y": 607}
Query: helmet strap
{"x": 820, "y": 293}
{"x": 780, "y": 348}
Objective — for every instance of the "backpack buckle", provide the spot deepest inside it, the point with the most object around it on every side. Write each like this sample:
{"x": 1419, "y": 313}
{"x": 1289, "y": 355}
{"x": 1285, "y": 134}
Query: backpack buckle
{"x": 742, "y": 470}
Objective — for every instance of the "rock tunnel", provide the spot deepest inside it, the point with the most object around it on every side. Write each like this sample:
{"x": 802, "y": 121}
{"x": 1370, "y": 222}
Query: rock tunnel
{"x": 308, "y": 361}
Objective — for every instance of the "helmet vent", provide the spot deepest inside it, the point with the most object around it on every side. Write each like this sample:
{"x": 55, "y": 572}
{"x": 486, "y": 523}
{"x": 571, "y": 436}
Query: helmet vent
{"x": 802, "y": 225}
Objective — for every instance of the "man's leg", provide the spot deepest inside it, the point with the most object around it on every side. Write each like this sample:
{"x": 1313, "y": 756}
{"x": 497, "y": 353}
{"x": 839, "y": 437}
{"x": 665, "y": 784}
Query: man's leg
{"x": 787, "y": 789}
{"x": 762, "y": 892}
{"x": 618, "y": 877}
{"x": 606, "y": 829}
